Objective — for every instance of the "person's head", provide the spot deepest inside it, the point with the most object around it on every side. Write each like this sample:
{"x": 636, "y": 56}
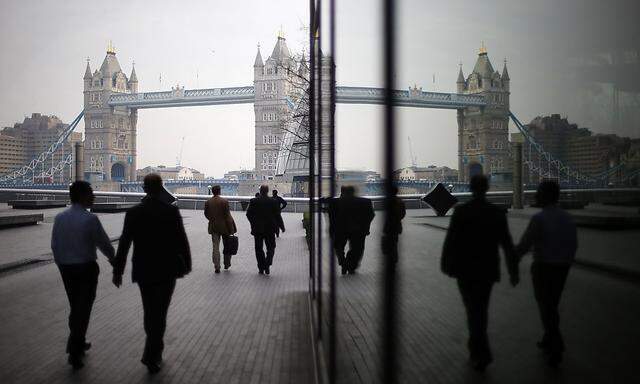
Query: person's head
{"x": 274, "y": 192}
{"x": 479, "y": 185}
{"x": 394, "y": 190}
{"x": 548, "y": 193}
{"x": 264, "y": 190}
{"x": 257, "y": 194}
{"x": 80, "y": 192}
{"x": 215, "y": 190}
{"x": 152, "y": 184}
{"x": 349, "y": 191}
{"x": 343, "y": 190}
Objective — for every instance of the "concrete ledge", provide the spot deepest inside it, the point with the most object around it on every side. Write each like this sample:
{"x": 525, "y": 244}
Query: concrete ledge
{"x": 36, "y": 204}
{"x": 7, "y": 221}
{"x": 607, "y": 222}
{"x": 112, "y": 207}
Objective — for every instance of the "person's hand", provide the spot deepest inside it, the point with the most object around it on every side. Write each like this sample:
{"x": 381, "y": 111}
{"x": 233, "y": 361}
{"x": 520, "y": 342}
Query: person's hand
{"x": 514, "y": 280}
{"x": 117, "y": 280}
{"x": 283, "y": 230}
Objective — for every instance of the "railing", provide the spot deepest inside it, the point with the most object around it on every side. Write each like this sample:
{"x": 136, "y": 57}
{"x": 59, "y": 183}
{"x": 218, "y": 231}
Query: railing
{"x": 181, "y": 97}
{"x": 408, "y": 98}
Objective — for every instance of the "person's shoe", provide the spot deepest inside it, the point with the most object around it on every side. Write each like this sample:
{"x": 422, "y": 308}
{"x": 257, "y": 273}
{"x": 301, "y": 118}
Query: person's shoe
{"x": 227, "y": 266}
{"x": 260, "y": 271}
{"x": 344, "y": 270}
{"x": 352, "y": 271}
{"x": 75, "y": 362}
{"x": 217, "y": 270}
{"x": 543, "y": 345}
{"x": 153, "y": 367}
{"x": 555, "y": 359}
{"x": 267, "y": 271}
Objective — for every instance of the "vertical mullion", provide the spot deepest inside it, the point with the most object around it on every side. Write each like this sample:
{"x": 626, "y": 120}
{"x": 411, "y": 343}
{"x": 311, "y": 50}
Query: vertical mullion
{"x": 389, "y": 308}
{"x": 319, "y": 154}
{"x": 311, "y": 146}
{"x": 332, "y": 189}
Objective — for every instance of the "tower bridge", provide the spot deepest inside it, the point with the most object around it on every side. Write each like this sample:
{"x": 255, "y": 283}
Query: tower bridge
{"x": 112, "y": 100}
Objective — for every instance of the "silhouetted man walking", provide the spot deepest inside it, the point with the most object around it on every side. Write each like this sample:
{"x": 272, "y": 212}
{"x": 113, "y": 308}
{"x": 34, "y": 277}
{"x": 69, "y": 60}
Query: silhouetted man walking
{"x": 75, "y": 237}
{"x": 264, "y": 216}
{"x": 350, "y": 220}
{"x": 393, "y": 226}
{"x": 221, "y": 225}
{"x": 282, "y": 203}
{"x": 160, "y": 256}
{"x": 553, "y": 236}
{"x": 470, "y": 254}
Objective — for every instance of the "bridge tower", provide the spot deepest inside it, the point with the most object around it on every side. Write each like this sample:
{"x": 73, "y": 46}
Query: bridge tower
{"x": 483, "y": 133}
{"x": 272, "y": 82}
{"x": 110, "y": 132}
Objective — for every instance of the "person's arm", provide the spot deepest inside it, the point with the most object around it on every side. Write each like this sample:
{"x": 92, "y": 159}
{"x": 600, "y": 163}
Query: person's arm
{"x": 279, "y": 220}
{"x": 123, "y": 249}
{"x": 403, "y": 209}
{"x": 230, "y": 222}
{"x": 510, "y": 256}
{"x": 449, "y": 248}
{"x": 185, "y": 250}
{"x": 250, "y": 211}
{"x": 528, "y": 238}
{"x": 54, "y": 238}
{"x": 283, "y": 203}
{"x": 206, "y": 210}
{"x": 101, "y": 240}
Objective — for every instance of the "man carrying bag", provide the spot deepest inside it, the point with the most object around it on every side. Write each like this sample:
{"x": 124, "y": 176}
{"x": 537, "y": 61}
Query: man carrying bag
{"x": 221, "y": 226}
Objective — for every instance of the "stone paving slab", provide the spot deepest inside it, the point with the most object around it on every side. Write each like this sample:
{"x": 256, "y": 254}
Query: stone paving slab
{"x": 233, "y": 327}
{"x": 600, "y": 317}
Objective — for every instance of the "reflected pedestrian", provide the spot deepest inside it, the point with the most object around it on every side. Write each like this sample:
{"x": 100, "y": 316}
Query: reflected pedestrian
{"x": 220, "y": 226}
{"x": 282, "y": 203}
{"x": 264, "y": 216}
{"x": 76, "y": 235}
{"x": 470, "y": 254}
{"x": 393, "y": 225}
{"x": 160, "y": 255}
{"x": 552, "y": 235}
{"x": 350, "y": 220}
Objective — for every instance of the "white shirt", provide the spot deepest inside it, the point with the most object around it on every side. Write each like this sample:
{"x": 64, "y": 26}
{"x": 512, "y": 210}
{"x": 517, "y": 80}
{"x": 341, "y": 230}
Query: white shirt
{"x": 76, "y": 235}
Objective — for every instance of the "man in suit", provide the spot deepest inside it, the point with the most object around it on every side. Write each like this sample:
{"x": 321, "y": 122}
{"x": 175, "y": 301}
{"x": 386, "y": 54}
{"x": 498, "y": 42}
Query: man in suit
{"x": 470, "y": 254}
{"x": 393, "y": 225}
{"x": 75, "y": 237}
{"x": 221, "y": 225}
{"x": 160, "y": 255}
{"x": 264, "y": 215}
{"x": 350, "y": 220}
{"x": 552, "y": 235}
{"x": 282, "y": 203}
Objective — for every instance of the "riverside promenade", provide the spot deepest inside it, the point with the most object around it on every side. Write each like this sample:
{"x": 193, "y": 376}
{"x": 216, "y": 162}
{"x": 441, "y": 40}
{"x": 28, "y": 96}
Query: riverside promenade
{"x": 241, "y": 327}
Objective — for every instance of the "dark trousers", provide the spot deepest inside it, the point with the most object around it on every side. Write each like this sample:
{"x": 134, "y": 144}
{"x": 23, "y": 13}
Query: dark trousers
{"x": 548, "y": 283}
{"x": 475, "y": 296}
{"x": 156, "y": 298}
{"x": 80, "y": 282}
{"x": 269, "y": 241}
{"x": 353, "y": 257}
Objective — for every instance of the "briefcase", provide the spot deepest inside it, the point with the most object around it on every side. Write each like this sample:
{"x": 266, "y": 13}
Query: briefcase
{"x": 230, "y": 245}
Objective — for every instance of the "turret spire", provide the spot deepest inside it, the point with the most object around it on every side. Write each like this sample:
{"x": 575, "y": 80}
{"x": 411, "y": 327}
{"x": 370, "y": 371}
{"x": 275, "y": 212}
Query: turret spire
{"x": 110, "y": 48}
{"x": 87, "y": 72}
{"x": 505, "y": 73}
{"x": 258, "y": 62}
{"x": 133, "y": 78}
{"x": 460, "y": 75}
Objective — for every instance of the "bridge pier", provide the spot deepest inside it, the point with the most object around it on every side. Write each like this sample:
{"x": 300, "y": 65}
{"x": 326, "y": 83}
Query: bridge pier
{"x": 79, "y": 161}
{"x": 517, "y": 176}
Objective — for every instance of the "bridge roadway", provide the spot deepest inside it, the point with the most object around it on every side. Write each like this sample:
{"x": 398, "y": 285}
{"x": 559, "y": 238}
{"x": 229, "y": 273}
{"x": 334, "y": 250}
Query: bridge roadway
{"x": 416, "y": 98}
{"x": 240, "y": 327}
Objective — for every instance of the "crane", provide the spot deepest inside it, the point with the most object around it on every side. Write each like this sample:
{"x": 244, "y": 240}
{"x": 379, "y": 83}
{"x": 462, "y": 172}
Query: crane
{"x": 414, "y": 159}
{"x": 179, "y": 157}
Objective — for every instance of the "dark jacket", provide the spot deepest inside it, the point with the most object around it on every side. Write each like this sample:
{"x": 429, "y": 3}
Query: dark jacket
{"x": 160, "y": 246}
{"x": 393, "y": 224}
{"x": 350, "y": 215}
{"x": 282, "y": 203}
{"x": 264, "y": 215}
{"x": 470, "y": 248}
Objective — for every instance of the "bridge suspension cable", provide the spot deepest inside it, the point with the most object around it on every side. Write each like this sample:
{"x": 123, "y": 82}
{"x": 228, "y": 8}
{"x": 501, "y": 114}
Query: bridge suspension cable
{"x": 39, "y": 161}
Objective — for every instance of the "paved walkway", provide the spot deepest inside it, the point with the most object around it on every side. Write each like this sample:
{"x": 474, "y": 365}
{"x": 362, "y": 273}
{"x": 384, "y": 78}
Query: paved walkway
{"x": 235, "y": 327}
{"x": 600, "y": 319}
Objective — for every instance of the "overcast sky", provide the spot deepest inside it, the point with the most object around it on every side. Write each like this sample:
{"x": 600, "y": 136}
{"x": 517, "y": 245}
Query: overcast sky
{"x": 204, "y": 44}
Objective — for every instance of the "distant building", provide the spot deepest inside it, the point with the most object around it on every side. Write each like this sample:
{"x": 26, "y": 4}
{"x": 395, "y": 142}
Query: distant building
{"x": 578, "y": 148}
{"x": 171, "y": 173}
{"x": 431, "y": 173}
{"x": 346, "y": 176}
{"x": 25, "y": 141}
{"x": 243, "y": 174}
